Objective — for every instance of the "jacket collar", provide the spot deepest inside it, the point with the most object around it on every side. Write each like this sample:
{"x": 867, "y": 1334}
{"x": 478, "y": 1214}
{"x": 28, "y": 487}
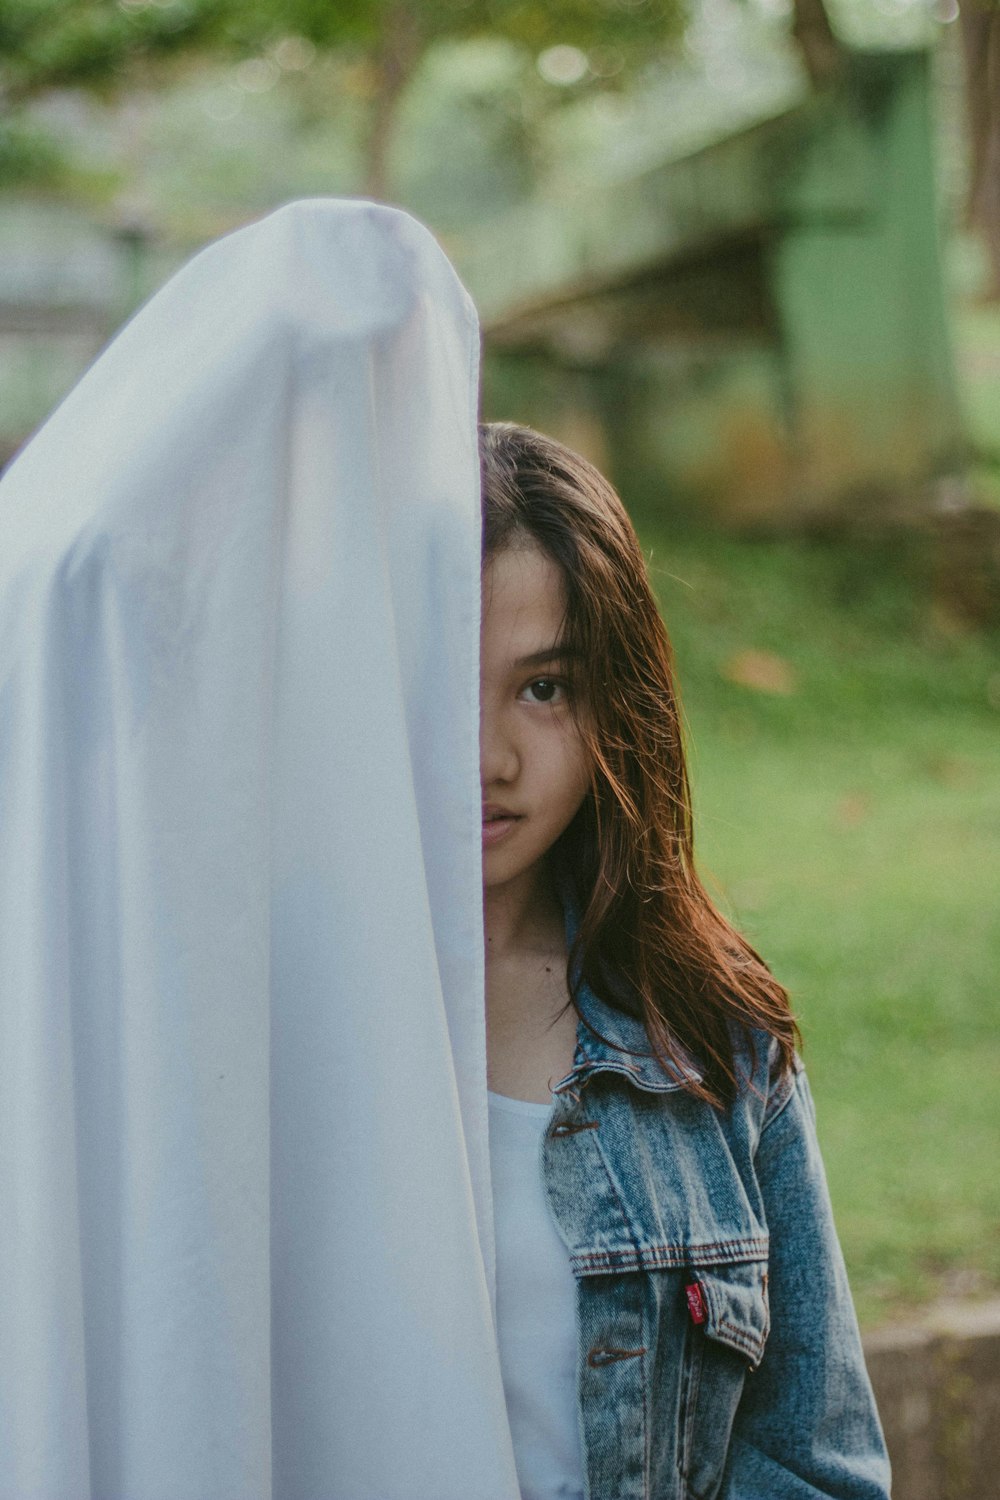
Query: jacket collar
{"x": 608, "y": 1039}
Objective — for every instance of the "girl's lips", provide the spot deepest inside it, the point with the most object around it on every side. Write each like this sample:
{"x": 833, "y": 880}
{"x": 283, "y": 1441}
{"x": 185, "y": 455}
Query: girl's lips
{"x": 498, "y": 828}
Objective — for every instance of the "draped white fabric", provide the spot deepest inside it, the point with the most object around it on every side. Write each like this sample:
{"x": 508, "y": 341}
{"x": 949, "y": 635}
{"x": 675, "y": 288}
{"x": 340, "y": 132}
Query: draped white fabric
{"x": 246, "y": 1247}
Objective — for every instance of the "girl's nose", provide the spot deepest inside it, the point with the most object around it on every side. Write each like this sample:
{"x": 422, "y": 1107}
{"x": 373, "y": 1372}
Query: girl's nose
{"x": 498, "y": 757}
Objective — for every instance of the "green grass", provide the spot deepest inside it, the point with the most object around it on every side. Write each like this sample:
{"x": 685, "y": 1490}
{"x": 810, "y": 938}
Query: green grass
{"x": 852, "y": 829}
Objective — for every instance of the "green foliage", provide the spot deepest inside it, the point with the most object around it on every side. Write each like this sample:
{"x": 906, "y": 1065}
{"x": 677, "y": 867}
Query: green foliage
{"x": 48, "y": 44}
{"x": 112, "y": 46}
{"x": 620, "y": 31}
{"x": 29, "y": 158}
{"x": 100, "y": 44}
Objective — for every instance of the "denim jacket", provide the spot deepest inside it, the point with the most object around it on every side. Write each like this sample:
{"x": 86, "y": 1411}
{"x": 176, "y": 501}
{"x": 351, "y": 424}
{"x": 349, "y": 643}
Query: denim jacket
{"x": 719, "y": 1350}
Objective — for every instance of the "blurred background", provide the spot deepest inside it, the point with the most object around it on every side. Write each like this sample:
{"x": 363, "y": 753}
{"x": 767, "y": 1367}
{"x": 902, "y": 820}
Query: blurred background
{"x": 745, "y": 254}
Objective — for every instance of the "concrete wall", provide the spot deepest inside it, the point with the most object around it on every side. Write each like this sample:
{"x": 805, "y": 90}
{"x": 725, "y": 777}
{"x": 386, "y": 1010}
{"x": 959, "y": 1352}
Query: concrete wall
{"x": 938, "y": 1389}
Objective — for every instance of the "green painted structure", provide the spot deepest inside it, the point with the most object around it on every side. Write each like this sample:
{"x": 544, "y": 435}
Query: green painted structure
{"x": 756, "y": 331}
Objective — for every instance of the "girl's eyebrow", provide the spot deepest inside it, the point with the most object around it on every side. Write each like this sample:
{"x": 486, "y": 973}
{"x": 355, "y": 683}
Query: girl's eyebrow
{"x": 553, "y": 653}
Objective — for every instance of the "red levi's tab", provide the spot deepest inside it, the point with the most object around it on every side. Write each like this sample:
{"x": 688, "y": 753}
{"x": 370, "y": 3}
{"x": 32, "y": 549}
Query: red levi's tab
{"x": 696, "y": 1302}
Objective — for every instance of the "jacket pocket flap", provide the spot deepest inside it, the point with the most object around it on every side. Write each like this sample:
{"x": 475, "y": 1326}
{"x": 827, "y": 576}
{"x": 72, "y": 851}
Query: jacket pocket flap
{"x": 736, "y": 1307}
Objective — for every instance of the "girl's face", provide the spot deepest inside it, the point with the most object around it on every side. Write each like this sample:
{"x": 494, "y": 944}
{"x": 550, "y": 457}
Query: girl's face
{"x": 534, "y": 766}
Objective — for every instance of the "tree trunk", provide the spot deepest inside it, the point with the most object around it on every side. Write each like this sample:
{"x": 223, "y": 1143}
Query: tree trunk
{"x": 400, "y": 49}
{"x": 817, "y": 43}
{"x": 980, "y": 26}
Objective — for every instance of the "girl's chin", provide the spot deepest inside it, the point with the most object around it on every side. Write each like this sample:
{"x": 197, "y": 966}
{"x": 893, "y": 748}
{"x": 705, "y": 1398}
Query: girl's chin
{"x": 506, "y": 867}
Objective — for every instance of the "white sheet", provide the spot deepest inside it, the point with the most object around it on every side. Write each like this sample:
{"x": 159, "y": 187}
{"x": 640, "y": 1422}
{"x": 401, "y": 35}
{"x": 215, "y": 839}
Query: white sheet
{"x": 245, "y": 1237}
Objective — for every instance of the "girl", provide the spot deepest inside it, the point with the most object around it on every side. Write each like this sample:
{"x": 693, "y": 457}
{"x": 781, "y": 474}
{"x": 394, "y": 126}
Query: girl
{"x": 673, "y": 1314}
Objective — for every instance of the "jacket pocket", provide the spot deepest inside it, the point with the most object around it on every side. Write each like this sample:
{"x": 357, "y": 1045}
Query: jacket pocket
{"x": 728, "y": 1320}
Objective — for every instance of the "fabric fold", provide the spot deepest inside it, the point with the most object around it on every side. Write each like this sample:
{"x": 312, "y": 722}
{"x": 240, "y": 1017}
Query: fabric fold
{"x": 243, "y": 1133}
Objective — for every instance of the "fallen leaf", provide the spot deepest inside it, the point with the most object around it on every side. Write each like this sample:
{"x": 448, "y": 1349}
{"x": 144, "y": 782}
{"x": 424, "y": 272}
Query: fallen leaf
{"x": 762, "y": 671}
{"x": 853, "y": 809}
{"x": 952, "y": 770}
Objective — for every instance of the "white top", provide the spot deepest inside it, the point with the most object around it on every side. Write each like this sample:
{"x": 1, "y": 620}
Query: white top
{"x": 536, "y": 1308}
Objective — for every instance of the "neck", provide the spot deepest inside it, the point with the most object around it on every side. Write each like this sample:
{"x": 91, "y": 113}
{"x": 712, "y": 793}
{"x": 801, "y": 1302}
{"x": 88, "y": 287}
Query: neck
{"x": 522, "y": 915}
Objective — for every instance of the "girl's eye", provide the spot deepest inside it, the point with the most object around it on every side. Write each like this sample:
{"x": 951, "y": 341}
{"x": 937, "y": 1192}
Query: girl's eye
{"x": 546, "y": 690}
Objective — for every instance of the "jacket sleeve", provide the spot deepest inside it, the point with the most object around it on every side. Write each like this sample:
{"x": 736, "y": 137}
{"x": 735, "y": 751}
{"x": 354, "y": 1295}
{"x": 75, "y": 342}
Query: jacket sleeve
{"x": 806, "y": 1425}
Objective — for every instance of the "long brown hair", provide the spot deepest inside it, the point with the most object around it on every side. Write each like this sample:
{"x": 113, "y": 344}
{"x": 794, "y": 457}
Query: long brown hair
{"x": 650, "y": 940}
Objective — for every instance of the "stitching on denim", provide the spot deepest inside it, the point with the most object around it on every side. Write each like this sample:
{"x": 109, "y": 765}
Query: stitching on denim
{"x": 648, "y": 1086}
{"x": 788, "y": 1084}
{"x": 740, "y": 1252}
{"x": 739, "y": 1244}
{"x": 626, "y": 1219}
{"x": 695, "y": 1348}
{"x": 623, "y": 1260}
{"x": 748, "y": 1343}
{"x": 645, "y": 1425}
